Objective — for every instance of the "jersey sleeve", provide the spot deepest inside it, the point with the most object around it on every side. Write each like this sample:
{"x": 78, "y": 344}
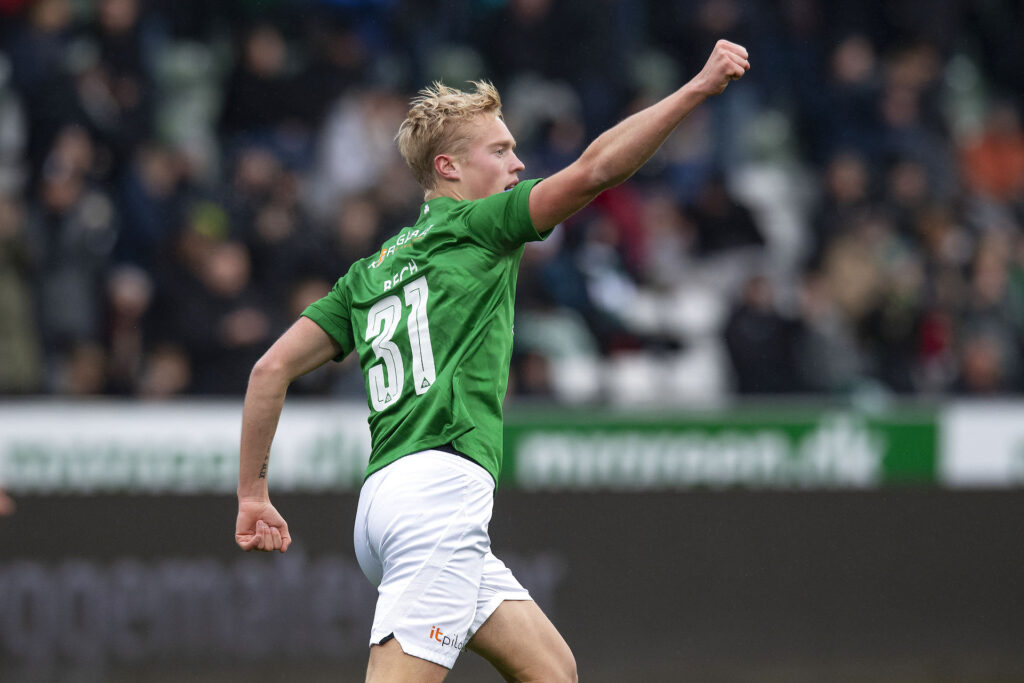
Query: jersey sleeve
{"x": 333, "y": 314}
{"x": 502, "y": 221}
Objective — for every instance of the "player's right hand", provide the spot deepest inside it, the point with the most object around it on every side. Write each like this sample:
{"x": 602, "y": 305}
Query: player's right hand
{"x": 261, "y": 527}
{"x": 728, "y": 62}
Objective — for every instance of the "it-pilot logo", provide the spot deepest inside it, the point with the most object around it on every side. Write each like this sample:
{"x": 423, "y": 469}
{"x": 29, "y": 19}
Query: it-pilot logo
{"x": 446, "y": 641}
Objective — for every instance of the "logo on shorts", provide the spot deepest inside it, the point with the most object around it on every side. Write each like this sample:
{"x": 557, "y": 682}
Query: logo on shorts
{"x": 446, "y": 641}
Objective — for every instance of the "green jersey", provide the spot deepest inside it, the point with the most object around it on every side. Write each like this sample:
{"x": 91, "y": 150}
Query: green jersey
{"x": 430, "y": 316}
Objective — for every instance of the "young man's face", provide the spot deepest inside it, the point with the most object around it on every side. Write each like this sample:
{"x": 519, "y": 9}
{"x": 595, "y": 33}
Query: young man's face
{"x": 490, "y": 164}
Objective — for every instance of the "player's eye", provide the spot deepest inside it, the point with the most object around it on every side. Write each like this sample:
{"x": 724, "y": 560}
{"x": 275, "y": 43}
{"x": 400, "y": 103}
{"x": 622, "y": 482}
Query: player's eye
{"x": 500, "y": 152}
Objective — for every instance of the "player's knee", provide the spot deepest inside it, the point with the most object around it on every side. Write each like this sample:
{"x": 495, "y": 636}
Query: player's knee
{"x": 565, "y": 666}
{"x": 560, "y": 669}
{"x": 568, "y": 670}
{"x": 553, "y": 668}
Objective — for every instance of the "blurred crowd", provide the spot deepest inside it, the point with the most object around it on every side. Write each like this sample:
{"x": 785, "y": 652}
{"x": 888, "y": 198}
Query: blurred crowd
{"x": 178, "y": 179}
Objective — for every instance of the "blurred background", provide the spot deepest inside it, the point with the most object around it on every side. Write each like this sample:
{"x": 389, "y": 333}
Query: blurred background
{"x": 764, "y": 414}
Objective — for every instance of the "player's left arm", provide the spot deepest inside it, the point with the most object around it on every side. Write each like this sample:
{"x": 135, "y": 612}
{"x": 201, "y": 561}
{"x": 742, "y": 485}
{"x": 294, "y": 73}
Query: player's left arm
{"x": 621, "y": 150}
{"x": 304, "y": 347}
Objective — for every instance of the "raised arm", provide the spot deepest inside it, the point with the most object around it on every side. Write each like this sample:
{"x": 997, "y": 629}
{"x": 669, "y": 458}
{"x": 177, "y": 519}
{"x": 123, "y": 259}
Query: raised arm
{"x": 304, "y": 347}
{"x": 621, "y": 150}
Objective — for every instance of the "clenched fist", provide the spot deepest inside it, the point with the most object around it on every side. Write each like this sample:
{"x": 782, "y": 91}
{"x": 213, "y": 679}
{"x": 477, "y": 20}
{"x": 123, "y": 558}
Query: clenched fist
{"x": 260, "y": 527}
{"x": 728, "y": 61}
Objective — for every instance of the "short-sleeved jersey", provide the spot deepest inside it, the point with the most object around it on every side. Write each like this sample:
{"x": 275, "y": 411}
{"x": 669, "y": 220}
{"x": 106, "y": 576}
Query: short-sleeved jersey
{"x": 430, "y": 317}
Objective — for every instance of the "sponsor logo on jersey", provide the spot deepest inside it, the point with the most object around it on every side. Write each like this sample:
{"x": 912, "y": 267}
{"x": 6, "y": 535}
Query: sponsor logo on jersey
{"x": 403, "y": 241}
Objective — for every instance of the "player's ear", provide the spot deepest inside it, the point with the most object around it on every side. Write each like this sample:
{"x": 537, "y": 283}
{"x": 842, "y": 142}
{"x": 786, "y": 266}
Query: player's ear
{"x": 446, "y": 167}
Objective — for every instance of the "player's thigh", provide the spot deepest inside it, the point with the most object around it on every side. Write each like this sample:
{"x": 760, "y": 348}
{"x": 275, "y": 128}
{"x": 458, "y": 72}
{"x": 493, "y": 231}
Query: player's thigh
{"x": 389, "y": 664}
{"x": 523, "y": 645}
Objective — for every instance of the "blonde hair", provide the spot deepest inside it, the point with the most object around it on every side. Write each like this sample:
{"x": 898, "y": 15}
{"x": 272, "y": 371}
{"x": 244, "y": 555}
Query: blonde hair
{"x": 436, "y": 124}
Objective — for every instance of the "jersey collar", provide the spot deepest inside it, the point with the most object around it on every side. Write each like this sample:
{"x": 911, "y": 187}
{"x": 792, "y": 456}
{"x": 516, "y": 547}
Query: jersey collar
{"x": 435, "y": 204}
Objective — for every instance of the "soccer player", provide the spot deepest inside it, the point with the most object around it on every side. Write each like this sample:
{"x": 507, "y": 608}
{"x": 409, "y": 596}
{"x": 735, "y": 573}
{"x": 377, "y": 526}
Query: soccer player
{"x": 430, "y": 317}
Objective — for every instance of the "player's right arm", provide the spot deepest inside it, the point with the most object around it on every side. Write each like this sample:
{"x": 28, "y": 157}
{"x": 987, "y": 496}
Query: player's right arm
{"x": 304, "y": 347}
{"x": 621, "y": 150}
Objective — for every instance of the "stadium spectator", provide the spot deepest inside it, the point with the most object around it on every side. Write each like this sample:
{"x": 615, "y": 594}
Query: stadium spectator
{"x": 356, "y": 230}
{"x": 150, "y": 204}
{"x": 71, "y": 232}
{"x": 761, "y": 342}
{"x": 828, "y": 358}
{"x": 846, "y": 116}
{"x": 283, "y": 245}
{"x": 983, "y": 366}
{"x": 166, "y": 372}
{"x": 722, "y": 224}
{"x": 889, "y": 330}
{"x": 260, "y": 92}
{"x": 907, "y": 192}
{"x": 993, "y": 162}
{"x": 214, "y": 314}
{"x": 117, "y": 90}
{"x": 845, "y": 194}
{"x": 129, "y": 296}
{"x": 669, "y": 243}
{"x": 22, "y": 369}
{"x": 339, "y": 62}
{"x": 355, "y": 147}
{"x": 38, "y": 55}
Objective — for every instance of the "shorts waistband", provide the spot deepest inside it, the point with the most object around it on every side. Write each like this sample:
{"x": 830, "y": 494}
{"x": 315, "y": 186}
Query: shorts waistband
{"x": 448, "y": 448}
{"x": 446, "y": 454}
{"x": 476, "y": 469}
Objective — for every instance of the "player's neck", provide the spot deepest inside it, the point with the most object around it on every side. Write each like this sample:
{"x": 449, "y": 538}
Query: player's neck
{"x": 450, "y": 192}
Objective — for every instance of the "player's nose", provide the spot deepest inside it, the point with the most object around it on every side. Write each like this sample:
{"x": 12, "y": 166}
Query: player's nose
{"x": 517, "y": 165}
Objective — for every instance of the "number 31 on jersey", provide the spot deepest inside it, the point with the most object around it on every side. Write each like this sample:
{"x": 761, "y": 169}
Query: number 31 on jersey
{"x": 385, "y": 380}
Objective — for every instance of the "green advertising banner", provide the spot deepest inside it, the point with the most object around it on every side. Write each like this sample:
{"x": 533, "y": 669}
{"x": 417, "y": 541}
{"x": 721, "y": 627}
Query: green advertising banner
{"x": 744, "y": 448}
{"x": 191, "y": 448}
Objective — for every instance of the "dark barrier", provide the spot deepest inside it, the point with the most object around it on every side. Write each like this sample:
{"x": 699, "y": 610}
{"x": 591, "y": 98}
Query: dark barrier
{"x": 897, "y": 584}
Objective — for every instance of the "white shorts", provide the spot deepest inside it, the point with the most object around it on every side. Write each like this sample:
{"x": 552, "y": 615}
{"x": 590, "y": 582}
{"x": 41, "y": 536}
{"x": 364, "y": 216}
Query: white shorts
{"x": 421, "y": 538}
